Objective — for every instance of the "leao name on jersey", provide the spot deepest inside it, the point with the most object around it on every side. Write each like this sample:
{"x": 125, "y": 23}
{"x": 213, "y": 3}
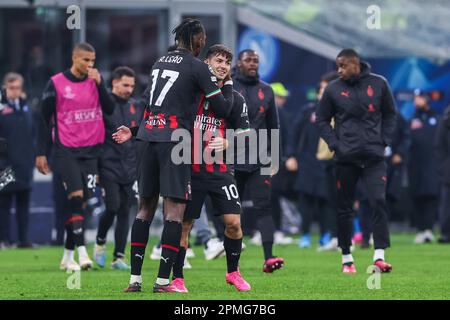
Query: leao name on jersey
{"x": 206, "y": 123}
{"x": 171, "y": 59}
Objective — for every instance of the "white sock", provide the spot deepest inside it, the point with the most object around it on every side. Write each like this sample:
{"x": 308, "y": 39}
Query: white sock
{"x": 162, "y": 281}
{"x": 346, "y": 258}
{"x": 378, "y": 255}
{"x": 82, "y": 253}
{"x": 68, "y": 255}
{"x": 134, "y": 279}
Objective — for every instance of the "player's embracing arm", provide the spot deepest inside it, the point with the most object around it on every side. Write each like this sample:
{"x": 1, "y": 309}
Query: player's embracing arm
{"x": 239, "y": 114}
{"x": 220, "y": 99}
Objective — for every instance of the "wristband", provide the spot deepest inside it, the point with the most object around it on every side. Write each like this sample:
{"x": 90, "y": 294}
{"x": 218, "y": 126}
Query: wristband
{"x": 228, "y": 82}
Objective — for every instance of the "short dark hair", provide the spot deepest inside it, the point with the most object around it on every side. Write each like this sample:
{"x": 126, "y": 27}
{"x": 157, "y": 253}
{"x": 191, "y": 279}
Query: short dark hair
{"x": 328, "y": 77}
{"x": 83, "y": 46}
{"x": 219, "y": 49}
{"x": 245, "y": 51}
{"x": 185, "y": 32}
{"x": 348, "y": 53}
{"x": 119, "y": 72}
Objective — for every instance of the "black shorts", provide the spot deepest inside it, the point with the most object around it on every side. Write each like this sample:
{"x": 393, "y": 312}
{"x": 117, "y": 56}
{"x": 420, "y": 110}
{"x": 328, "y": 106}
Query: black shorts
{"x": 117, "y": 196}
{"x": 254, "y": 187}
{"x": 158, "y": 174}
{"x": 78, "y": 174}
{"x": 221, "y": 188}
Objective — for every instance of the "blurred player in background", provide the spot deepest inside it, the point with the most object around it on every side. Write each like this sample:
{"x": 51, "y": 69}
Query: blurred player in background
{"x": 74, "y": 101}
{"x": 263, "y": 115}
{"x": 117, "y": 168}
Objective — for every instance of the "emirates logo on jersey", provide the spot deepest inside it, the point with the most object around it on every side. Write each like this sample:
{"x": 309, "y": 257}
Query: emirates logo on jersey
{"x": 206, "y": 123}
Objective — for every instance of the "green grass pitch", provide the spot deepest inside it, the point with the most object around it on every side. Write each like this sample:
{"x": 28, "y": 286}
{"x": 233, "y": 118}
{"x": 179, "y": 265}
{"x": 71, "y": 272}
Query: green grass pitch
{"x": 419, "y": 272}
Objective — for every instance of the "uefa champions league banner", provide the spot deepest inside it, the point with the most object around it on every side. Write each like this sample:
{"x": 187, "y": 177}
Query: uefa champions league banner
{"x": 300, "y": 71}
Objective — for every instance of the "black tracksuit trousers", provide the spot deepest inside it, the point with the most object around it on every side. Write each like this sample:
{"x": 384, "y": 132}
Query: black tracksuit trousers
{"x": 373, "y": 175}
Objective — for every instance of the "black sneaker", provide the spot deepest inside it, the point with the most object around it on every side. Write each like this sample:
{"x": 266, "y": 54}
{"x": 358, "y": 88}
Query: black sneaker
{"x": 444, "y": 240}
{"x": 157, "y": 288}
{"x": 133, "y": 287}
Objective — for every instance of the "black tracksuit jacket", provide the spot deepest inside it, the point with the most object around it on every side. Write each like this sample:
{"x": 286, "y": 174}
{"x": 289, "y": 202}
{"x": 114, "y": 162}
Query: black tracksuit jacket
{"x": 365, "y": 117}
{"x": 262, "y": 112}
{"x": 118, "y": 161}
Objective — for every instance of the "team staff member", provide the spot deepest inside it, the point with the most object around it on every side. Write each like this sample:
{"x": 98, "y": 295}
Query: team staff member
{"x": 75, "y": 100}
{"x": 365, "y": 116}
{"x": 262, "y": 114}
{"x": 442, "y": 152}
{"x": 177, "y": 81}
{"x": 312, "y": 177}
{"x": 16, "y": 125}
{"x": 216, "y": 179}
{"x": 283, "y": 181}
{"x": 422, "y": 169}
{"x": 117, "y": 168}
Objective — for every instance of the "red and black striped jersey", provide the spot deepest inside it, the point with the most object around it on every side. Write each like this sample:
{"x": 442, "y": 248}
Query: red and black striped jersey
{"x": 208, "y": 125}
{"x": 176, "y": 82}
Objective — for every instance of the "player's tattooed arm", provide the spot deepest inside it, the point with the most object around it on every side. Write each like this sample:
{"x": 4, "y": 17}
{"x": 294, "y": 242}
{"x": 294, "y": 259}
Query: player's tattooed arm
{"x": 223, "y": 103}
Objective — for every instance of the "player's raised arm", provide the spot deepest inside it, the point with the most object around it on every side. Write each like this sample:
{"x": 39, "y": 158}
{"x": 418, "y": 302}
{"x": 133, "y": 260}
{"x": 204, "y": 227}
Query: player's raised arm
{"x": 221, "y": 99}
{"x": 46, "y": 112}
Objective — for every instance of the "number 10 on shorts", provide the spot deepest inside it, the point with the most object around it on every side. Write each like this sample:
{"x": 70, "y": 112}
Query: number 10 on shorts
{"x": 231, "y": 191}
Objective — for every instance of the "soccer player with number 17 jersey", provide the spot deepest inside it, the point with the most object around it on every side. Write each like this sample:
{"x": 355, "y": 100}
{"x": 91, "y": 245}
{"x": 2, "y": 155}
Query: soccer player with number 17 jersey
{"x": 177, "y": 81}
{"x": 212, "y": 175}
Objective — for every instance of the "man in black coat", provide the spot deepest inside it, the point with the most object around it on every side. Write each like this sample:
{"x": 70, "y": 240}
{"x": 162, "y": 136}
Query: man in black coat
{"x": 365, "y": 115}
{"x": 263, "y": 115}
{"x": 442, "y": 148}
{"x": 422, "y": 169}
{"x": 314, "y": 172}
{"x": 283, "y": 181}
{"x": 16, "y": 126}
{"x": 117, "y": 168}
